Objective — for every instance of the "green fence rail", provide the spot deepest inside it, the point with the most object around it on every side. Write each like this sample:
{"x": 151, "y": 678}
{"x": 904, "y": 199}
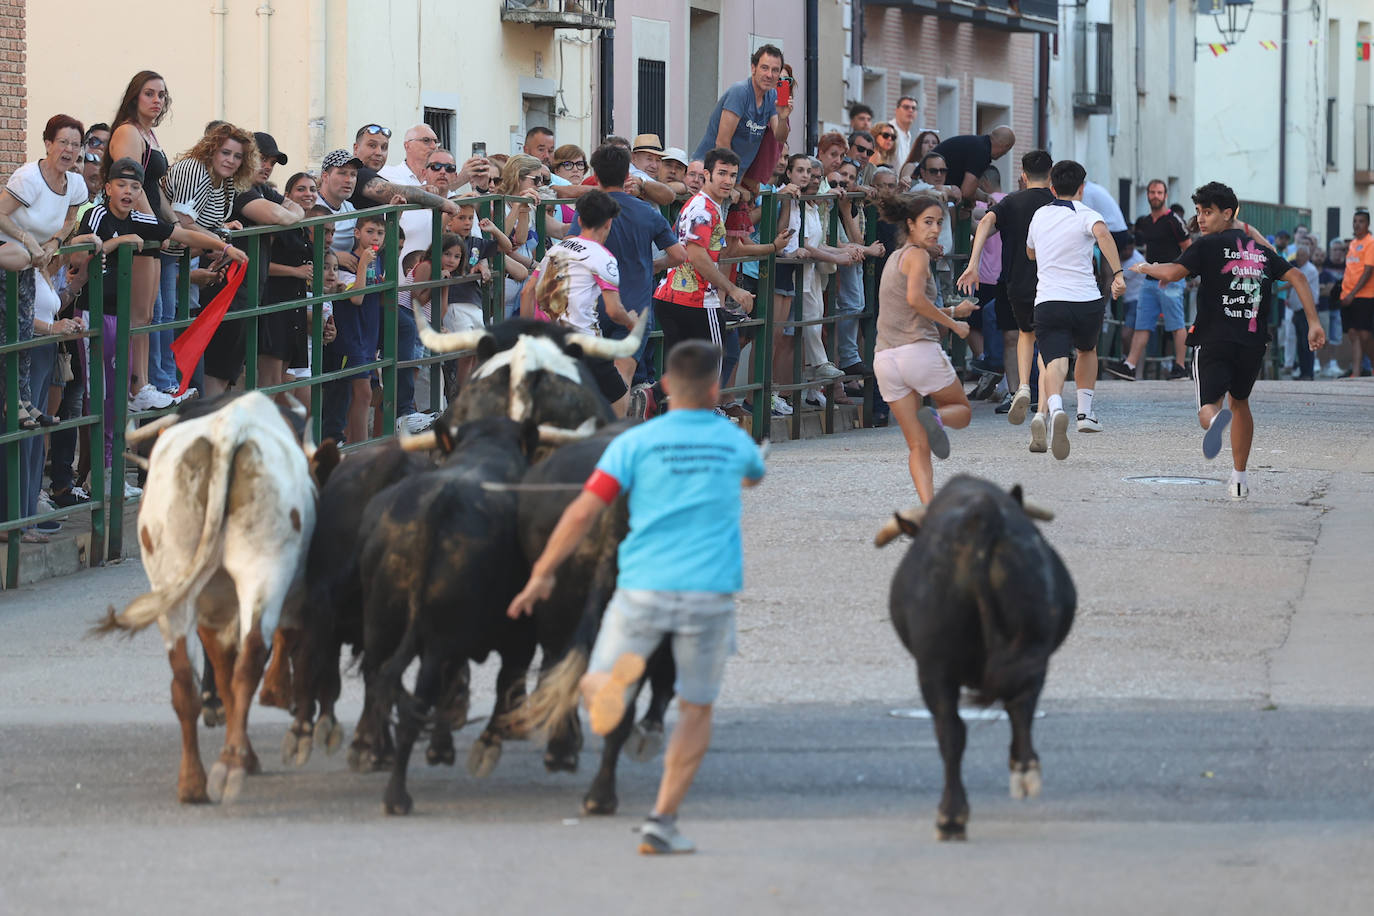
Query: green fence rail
{"x": 107, "y": 508}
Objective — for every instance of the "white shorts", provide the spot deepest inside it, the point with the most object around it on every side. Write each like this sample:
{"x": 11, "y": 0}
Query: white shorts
{"x": 922, "y": 367}
{"x": 463, "y": 316}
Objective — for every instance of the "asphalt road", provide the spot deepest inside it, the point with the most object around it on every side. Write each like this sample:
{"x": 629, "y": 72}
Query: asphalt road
{"x": 1208, "y": 729}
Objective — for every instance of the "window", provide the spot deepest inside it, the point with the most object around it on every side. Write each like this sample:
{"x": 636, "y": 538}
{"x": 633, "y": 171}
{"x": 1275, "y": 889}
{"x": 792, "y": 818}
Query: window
{"x": 1092, "y": 88}
{"x": 440, "y": 120}
{"x": 1330, "y": 133}
{"x": 652, "y": 102}
{"x": 946, "y": 108}
{"x": 875, "y": 90}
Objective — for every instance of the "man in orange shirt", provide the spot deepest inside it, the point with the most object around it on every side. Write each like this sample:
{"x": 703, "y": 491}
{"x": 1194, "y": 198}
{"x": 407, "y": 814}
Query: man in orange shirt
{"x": 1357, "y": 286}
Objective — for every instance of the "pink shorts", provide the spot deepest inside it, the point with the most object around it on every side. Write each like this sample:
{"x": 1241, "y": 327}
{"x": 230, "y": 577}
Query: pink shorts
{"x": 922, "y": 367}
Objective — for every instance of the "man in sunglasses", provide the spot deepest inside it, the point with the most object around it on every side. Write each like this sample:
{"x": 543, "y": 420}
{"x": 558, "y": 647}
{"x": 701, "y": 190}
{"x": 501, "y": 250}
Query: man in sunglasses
{"x": 861, "y": 150}
{"x": 441, "y": 177}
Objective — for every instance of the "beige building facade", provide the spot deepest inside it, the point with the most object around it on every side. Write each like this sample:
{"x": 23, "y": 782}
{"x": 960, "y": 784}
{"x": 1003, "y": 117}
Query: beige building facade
{"x": 311, "y": 72}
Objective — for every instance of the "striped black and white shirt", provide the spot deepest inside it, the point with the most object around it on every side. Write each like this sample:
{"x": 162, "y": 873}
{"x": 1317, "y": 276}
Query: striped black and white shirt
{"x": 105, "y": 225}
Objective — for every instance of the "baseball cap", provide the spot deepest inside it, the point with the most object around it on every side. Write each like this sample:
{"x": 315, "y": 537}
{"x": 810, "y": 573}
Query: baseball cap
{"x": 126, "y": 168}
{"x": 674, "y": 154}
{"x": 648, "y": 143}
{"x": 340, "y": 157}
{"x": 267, "y": 147}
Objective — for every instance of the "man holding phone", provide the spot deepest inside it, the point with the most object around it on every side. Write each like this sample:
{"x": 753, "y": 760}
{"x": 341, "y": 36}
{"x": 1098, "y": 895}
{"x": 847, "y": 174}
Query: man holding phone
{"x": 748, "y": 108}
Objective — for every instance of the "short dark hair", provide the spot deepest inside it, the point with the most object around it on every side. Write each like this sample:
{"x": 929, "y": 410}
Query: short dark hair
{"x": 792, "y": 160}
{"x": 771, "y": 50}
{"x": 370, "y": 218}
{"x": 611, "y": 163}
{"x": 909, "y": 98}
{"x": 859, "y": 108}
{"x": 929, "y": 156}
{"x": 99, "y": 125}
{"x": 60, "y": 122}
{"x": 1217, "y": 195}
{"x": 720, "y": 156}
{"x": 616, "y": 140}
{"x": 693, "y": 367}
{"x": 1037, "y": 164}
{"x": 860, "y": 135}
{"x": 537, "y": 129}
{"x": 1066, "y": 177}
{"x": 595, "y": 209}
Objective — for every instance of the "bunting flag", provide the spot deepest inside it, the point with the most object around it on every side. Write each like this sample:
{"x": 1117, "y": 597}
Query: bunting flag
{"x": 190, "y": 344}
{"x": 1269, "y": 45}
{"x": 1362, "y": 50}
{"x": 1218, "y": 49}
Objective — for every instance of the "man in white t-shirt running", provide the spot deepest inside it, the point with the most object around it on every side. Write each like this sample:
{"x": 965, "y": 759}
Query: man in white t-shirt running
{"x": 1068, "y": 303}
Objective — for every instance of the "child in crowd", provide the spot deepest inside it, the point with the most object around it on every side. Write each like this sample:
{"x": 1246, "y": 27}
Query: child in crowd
{"x": 357, "y": 323}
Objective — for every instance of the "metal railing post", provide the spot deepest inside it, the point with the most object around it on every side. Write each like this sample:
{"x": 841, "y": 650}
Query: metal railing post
{"x": 95, "y": 377}
{"x": 317, "y": 334}
{"x": 870, "y": 315}
{"x": 251, "y": 280}
{"x": 392, "y": 267}
{"x": 119, "y": 398}
{"x": 12, "y": 449}
{"x": 762, "y": 402}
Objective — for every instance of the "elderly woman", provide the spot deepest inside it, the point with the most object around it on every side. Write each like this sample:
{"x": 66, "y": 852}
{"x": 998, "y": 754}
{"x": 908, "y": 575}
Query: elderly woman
{"x": 143, "y": 106}
{"x": 201, "y": 185}
{"x": 37, "y": 209}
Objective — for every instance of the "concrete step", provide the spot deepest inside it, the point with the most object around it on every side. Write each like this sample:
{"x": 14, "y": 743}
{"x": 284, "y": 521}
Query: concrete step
{"x": 68, "y": 550}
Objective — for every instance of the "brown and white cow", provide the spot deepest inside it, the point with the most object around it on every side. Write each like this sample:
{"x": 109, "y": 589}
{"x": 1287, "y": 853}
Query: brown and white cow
{"x": 227, "y": 513}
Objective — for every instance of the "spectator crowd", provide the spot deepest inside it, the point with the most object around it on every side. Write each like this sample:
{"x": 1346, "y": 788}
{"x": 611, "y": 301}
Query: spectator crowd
{"x": 583, "y": 240}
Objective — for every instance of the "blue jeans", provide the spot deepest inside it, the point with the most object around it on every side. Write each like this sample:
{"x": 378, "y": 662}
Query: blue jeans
{"x": 32, "y": 451}
{"x": 849, "y": 300}
{"x": 1154, "y": 301}
{"x": 162, "y": 367}
{"x": 407, "y": 348}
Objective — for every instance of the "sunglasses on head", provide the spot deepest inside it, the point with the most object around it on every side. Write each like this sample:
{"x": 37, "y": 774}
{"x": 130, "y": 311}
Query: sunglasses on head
{"x": 377, "y": 129}
{"x": 442, "y": 167}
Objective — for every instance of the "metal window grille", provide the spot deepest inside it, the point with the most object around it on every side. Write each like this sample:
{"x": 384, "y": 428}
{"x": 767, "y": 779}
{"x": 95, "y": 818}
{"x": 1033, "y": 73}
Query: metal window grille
{"x": 653, "y": 97}
{"x": 440, "y": 120}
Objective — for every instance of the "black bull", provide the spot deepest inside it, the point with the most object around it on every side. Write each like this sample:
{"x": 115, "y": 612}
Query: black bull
{"x": 980, "y": 600}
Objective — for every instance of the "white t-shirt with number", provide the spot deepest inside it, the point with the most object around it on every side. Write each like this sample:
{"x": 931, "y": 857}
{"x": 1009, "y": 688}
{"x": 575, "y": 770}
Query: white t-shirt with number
{"x": 590, "y": 269}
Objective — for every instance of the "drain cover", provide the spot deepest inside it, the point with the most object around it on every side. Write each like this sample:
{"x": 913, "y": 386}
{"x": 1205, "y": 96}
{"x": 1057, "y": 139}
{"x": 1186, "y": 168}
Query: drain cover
{"x": 1180, "y": 481}
{"x": 972, "y": 714}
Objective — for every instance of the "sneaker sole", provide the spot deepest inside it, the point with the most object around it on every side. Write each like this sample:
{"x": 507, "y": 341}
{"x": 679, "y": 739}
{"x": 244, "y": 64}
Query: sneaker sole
{"x": 1059, "y": 437}
{"x": 1019, "y": 405}
{"x": 935, "y": 433}
{"x": 1118, "y": 373}
{"x": 652, "y": 847}
{"x": 607, "y": 707}
{"x": 1090, "y": 428}
{"x": 1211, "y": 440}
{"x": 1037, "y": 443}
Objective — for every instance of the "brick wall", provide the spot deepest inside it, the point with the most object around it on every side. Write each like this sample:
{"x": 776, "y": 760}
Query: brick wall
{"x": 13, "y": 97}
{"x": 935, "y": 48}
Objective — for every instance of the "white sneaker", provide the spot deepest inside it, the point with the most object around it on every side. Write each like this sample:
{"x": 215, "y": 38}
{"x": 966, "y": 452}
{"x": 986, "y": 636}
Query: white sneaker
{"x": 131, "y": 491}
{"x": 149, "y": 398}
{"x": 1019, "y": 405}
{"x": 1037, "y": 443}
{"x": 1087, "y": 424}
{"x": 814, "y": 398}
{"x": 1239, "y": 490}
{"x": 826, "y": 370}
{"x": 1331, "y": 371}
{"x": 1059, "y": 434}
{"x": 414, "y": 423}
{"x": 780, "y": 407}
{"x": 190, "y": 394}
{"x": 45, "y": 503}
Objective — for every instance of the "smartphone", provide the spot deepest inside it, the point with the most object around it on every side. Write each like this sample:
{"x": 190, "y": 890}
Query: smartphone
{"x": 479, "y": 148}
{"x": 784, "y": 92}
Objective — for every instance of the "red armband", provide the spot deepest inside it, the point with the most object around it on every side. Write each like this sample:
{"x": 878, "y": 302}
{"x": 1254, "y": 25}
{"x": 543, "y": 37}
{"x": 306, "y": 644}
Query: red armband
{"x": 602, "y": 485}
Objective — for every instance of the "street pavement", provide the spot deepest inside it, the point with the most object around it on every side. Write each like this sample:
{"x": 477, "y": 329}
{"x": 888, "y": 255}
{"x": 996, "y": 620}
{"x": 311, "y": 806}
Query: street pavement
{"x": 1207, "y": 737}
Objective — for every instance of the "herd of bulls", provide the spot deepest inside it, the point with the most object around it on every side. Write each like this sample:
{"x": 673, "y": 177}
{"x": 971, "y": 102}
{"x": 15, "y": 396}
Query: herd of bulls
{"x": 411, "y": 551}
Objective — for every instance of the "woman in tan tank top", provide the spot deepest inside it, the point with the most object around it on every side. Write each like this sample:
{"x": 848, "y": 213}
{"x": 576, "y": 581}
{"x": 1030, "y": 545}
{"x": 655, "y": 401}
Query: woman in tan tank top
{"x": 909, "y": 362}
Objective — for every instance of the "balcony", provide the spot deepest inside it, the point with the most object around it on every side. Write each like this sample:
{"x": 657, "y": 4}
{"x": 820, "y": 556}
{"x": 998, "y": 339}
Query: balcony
{"x": 1092, "y": 67}
{"x": 558, "y": 14}
{"x": 1003, "y": 15}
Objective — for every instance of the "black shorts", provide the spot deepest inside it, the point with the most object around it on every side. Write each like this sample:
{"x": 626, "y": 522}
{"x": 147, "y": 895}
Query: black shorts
{"x": 608, "y": 378}
{"x": 686, "y": 322}
{"x": 1015, "y": 312}
{"x": 989, "y": 294}
{"x": 1358, "y": 315}
{"x": 1062, "y": 327}
{"x": 1224, "y": 368}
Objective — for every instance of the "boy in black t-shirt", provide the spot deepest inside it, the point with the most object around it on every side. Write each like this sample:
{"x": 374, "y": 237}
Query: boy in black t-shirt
{"x": 1230, "y": 334}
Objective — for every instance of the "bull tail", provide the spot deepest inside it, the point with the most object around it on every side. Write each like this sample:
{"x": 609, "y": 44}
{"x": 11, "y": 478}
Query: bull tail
{"x": 553, "y": 700}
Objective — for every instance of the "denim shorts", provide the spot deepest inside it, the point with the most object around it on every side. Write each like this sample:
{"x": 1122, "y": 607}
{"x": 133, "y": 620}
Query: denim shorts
{"x": 701, "y": 625}
{"x": 1154, "y": 302}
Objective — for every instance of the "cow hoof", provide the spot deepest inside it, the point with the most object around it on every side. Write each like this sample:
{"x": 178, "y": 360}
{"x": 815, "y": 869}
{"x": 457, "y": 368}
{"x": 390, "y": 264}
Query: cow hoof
{"x": 400, "y": 805}
{"x": 645, "y": 742}
{"x": 211, "y": 710}
{"x": 214, "y": 785}
{"x": 483, "y": 757}
{"x": 1026, "y": 783}
{"x": 295, "y": 747}
{"x": 233, "y": 785}
{"x": 603, "y": 807}
{"x": 437, "y": 755}
{"x": 951, "y": 828}
{"x": 191, "y": 788}
{"x": 560, "y": 761}
{"x": 330, "y": 732}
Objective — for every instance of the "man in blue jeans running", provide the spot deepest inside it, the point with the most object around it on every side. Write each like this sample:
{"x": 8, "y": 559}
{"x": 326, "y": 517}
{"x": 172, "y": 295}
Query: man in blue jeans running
{"x": 680, "y": 566}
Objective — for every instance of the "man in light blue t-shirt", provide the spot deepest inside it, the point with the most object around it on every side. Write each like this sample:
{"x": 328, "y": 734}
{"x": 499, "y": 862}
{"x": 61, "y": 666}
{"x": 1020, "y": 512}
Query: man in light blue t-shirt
{"x": 747, "y": 109}
{"x": 680, "y": 566}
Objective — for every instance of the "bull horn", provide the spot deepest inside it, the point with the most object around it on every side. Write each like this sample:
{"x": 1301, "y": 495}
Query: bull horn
{"x": 136, "y": 459}
{"x": 450, "y": 343}
{"x": 420, "y": 442}
{"x": 308, "y": 441}
{"x": 558, "y": 435}
{"x": 605, "y": 348}
{"x": 294, "y": 405}
{"x": 892, "y": 528}
{"x": 138, "y": 434}
{"x": 1040, "y": 513}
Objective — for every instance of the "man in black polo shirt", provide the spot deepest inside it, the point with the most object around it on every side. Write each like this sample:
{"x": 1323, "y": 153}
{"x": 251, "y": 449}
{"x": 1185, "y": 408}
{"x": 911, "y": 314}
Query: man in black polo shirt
{"x": 370, "y": 146}
{"x": 1011, "y": 218}
{"x": 968, "y": 156}
{"x": 1165, "y": 239}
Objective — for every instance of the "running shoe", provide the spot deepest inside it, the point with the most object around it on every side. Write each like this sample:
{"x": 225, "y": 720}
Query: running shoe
{"x": 1120, "y": 368}
{"x": 1212, "y": 439}
{"x": 65, "y": 499}
{"x": 935, "y": 432}
{"x": 641, "y": 406}
{"x": 1087, "y": 424}
{"x": 1177, "y": 372}
{"x": 1037, "y": 443}
{"x": 190, "y": 394}
{"x": 814, "y": 399}
{"x": 780, "y": 406}
{"x": 1019, "y": 405}
{"x": 1239, "y": 490}
{"x": 986, "y": 385}
{"x": 1005, "y": 406}
{"x": 149, "y": 398}
{"x": 737, "y": 413}
{"x": 826, "y": 371}
{"x": 1059, "y": 435}
{"x": 659, "y": 837}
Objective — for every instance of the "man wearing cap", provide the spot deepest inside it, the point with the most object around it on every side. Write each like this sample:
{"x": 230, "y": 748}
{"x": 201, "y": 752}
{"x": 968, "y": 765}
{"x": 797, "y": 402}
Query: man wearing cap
{"x": 338, "y": 177}
{"x": 672, "y": 170}
{"x": 645, "y": 156}
{"x": 269, "y": 157}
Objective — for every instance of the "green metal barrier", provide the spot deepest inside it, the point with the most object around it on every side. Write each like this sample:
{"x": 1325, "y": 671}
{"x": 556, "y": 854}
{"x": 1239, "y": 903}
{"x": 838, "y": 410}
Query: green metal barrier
{"x": 107, "y": 508}
{"x": 1270, "y": 218}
